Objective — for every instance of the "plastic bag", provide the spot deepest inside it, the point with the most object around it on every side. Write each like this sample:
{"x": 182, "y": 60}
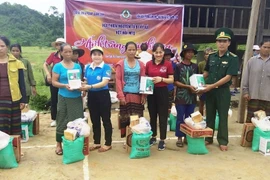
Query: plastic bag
{"x": 196, "y": 145}
{"x": 193, "y": 125}
{"x": 173, "y": 120}
{"x": 4, "y": 140}
{"x": 30, "y": 128}
{"x": 73, "y": 150}
{"x": 7, "y": 156}
{"x": 140, "y": 145}
{"x": 142, "y": 128}
{"x": 263, "y": 124}
{"x": 29, "y": 116}
{"x": 113, "y": 95}
{"x": 173, "y": 111}
{"x": 257, "y": 133}
{"x": 81, "y": 126}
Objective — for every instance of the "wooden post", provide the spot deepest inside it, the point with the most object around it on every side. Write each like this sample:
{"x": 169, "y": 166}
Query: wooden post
{"x": 261, "y": 20}
{"x": 249, "y": 45}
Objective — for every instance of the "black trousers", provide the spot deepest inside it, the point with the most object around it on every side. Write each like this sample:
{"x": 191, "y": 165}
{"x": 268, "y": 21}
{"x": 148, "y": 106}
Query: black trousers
{"x": 99, "y": 105}
{"x": 54, "y": 101}
{"x": 158, "y": 106}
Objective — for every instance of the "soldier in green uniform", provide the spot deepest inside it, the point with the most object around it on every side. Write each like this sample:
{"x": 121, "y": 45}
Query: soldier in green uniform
{"x": 219, "y": 69}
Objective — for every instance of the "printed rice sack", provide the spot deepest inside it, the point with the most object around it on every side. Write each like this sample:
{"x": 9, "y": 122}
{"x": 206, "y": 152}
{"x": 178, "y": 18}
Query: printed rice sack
{"x": 196, "y": 145}
{"x": 257, "y": 133}
{"x": 30, "y": 128}
{"x": 173, "y": 122}
{"x": 7, "y": 156}
{"x": 140, "y": 145}
{"x": 73, "y": 150}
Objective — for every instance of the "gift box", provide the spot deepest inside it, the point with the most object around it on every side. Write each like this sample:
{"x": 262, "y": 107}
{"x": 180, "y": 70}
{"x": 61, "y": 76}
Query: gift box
{"x": 264, "y": 146}
{"x": 17, "y": 146}
{"x": 134, "y": 120}
{"x": 86, "y": 146}
{"x": 128, "y": 139}
{"x": 36, "y": 125}
{"x": 247, "y": 135}
{"x": 197, "y": 81}
{"x": 194, "y": 133}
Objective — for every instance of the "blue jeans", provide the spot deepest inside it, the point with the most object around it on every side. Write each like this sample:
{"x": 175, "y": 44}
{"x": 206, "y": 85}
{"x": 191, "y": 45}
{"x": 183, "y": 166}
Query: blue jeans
{"x": 183, "y": 111}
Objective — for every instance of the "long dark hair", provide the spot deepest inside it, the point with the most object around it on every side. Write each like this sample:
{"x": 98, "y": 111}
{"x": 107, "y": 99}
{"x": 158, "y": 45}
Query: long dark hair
{"x": 5, "y": 40}
{"x": 62, "y": 48}
{"x": 156, "y": 45}
{"x": 130, "y": 42}
{"x": 17, "y": 46}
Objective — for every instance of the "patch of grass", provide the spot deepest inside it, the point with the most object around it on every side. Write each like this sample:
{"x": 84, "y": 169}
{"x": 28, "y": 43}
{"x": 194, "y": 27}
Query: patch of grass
{"x": 37, "y": 56}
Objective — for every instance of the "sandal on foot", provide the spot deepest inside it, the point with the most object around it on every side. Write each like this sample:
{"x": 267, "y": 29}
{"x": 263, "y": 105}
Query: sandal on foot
{"x": 59, "y": 152}
{"x": 94, "y": 148}
{"x": 179, "y": 143}
{"x": 208, "y": 142}
{"x": 104, "y": 149}
{"x": 223, "y": 148}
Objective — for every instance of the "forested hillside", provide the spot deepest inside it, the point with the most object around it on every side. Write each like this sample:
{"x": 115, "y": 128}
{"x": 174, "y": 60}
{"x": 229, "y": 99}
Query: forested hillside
{"x": 29, "y": 27}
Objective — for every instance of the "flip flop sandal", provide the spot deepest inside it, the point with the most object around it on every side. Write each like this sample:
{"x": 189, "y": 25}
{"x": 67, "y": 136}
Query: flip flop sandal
{"x": 59, "y": 153}
{"x": 94, "y": 148}
{"x": 102, "y": 149}
{"x": 208, "y": 143}
{"x": 179, "y": 144}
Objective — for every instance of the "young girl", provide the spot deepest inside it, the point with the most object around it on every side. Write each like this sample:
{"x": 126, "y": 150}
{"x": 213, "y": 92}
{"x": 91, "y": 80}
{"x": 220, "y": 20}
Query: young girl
{"x": 53, "y": 59}
{"x": 30, "y": 83}
{"x": 12, "y": 90}
{"x": 128, "y": 74}
{"x": 69, "y": 105}
{"x": 162, "y": 73}
{"x": 98, "y": 75}
{"x": 185, "y": 100}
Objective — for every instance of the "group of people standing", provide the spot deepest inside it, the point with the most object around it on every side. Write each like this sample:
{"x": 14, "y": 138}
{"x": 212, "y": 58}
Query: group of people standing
{"x": 171, "y": 84}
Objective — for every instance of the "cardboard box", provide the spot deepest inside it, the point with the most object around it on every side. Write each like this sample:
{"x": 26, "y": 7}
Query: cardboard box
{"x": 134, "y": 120}
{"x": 247, "y": 135}
{"x": 128, "y": 139}
{"x": 36, "y": 125}
{"x": 17, "y": 146}
{"x": 259, "y": 114}
{"x": 197, "y": 81}
{"x": 196, "y": 117}
{"x": 86, "y": 146}
{"x": 194, "y": 133}
{"x": 264, "y": 147}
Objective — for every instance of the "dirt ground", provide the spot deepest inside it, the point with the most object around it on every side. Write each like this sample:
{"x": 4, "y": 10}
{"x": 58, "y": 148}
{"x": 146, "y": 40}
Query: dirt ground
{"x": 40, "y": 161}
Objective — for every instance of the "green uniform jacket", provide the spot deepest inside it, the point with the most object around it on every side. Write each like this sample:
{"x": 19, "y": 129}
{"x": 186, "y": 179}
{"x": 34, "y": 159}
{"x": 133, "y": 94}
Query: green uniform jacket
{"x": 218, "y": 67}
{"x": 28, "y": 76}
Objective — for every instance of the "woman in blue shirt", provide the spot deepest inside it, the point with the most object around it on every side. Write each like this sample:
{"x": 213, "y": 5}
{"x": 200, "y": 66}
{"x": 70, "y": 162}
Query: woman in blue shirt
{"x": 98, "y": 75}
{"x": 69, "y": 105}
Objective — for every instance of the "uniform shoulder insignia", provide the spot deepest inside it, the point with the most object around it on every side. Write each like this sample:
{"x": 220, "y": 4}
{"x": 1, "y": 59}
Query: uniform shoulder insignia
{"x": 234, "y": 55}
{"x": 212, "y": 52}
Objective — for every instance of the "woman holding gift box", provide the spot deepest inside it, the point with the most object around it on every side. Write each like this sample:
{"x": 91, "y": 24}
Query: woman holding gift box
{"x": 12, "y": 90}
{"x": 128, "y": 74}
{"x": 69, "y": 105}
{"x": 162, "y": 73}
{"x": 98, "y": 75}
{"x": 185, "y": 99}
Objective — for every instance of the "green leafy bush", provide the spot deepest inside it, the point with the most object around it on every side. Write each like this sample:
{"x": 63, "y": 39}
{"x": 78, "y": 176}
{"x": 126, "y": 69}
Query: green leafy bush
{"x": 39, "y": 102}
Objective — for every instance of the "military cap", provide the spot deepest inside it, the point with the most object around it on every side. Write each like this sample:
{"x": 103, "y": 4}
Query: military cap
{"x": 224, "y": 33}
{"x": 188, "y": 47}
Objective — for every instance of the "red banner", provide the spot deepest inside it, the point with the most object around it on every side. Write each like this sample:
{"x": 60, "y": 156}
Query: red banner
{"x": 112, "y": 24}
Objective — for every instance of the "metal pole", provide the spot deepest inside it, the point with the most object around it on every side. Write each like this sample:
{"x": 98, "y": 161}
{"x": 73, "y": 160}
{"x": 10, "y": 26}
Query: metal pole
{"x": 249, "y": 45}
